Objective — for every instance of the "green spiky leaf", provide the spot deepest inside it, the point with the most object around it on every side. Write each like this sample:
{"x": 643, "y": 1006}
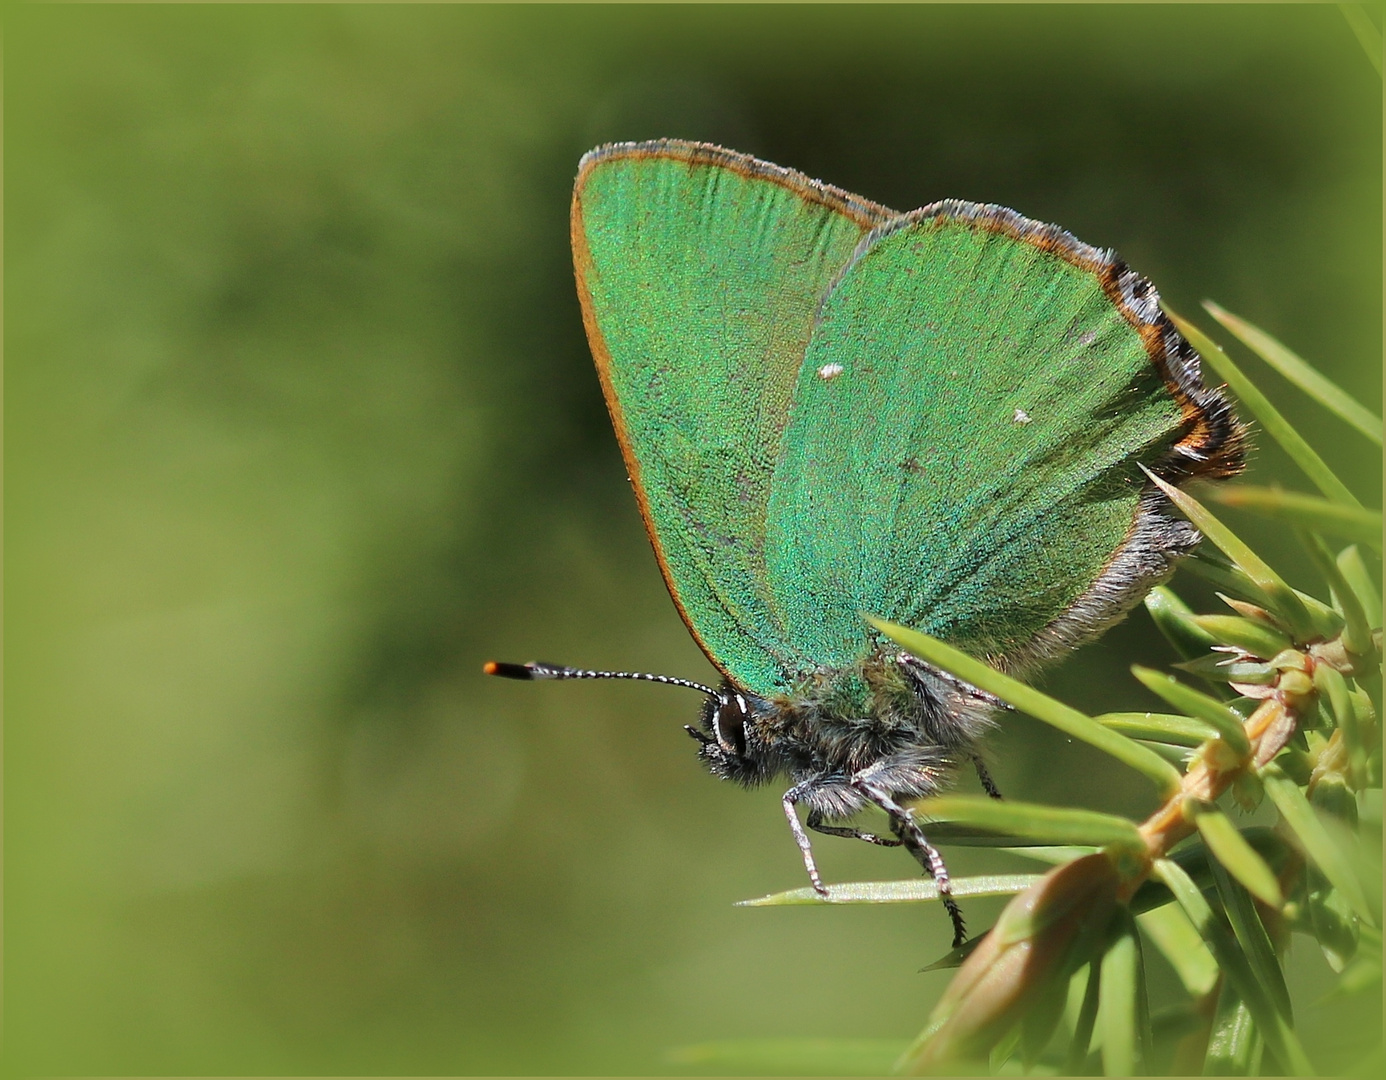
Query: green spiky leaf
{"x": 1085, "y": 1022}
{"x": 1169, "y": 928}
{"x": 1368, "y": 36}
{"x": 1220, "y": 667}
{"x": 1356, "y": 575}
{"x": 1031, "y": 701}
{"x": 1309, "y": 511}
{"x": 1227, "y": 723}
{"x": 1118, "y": 1006}
{"x": 1160, "y": 727}
{"x": 1232, "y": 852}
{"x": 1280, "y": 598}
{"x": 1252, "y": 637}
{"x": 1220, "y": 940}
{"x": 1234, "y": 1045}
{"x": 1252, "y": 937}
{"x": 1357, "y": 635}
{"x": 916, "y": 891}
{"x": 1319, "y": 844}
{"x": 1298, "y": 371}
{"x": 1175, "y": 620}
{"x": 1051, "y": 824}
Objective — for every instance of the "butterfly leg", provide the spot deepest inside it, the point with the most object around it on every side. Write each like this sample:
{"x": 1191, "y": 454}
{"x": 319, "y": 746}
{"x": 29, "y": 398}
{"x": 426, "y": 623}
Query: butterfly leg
{"x": 792, "y": 796}
{"x": 988, "y": 784}
{"x": 815, "y": 822}
{"x": 903, "y": 825}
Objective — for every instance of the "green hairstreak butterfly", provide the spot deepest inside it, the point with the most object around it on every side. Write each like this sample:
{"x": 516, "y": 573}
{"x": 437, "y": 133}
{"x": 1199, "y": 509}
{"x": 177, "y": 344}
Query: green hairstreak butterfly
{"x": 828, "y": 408}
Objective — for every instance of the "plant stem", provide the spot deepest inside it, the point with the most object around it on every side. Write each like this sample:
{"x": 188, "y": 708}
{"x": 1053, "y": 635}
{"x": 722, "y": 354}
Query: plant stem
{"x": 1267, "y": 730}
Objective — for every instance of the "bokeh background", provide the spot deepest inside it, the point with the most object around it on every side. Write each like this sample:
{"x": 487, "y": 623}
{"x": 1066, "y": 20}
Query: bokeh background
{"x": 301, "y": 428}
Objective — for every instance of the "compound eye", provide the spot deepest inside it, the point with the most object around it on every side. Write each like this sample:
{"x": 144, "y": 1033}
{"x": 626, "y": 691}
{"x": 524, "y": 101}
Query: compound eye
{"x": 729, "y": 723}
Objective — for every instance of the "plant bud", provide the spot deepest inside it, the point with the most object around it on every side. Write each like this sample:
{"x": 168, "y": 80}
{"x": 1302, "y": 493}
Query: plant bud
{"x": 1043, "y": 936}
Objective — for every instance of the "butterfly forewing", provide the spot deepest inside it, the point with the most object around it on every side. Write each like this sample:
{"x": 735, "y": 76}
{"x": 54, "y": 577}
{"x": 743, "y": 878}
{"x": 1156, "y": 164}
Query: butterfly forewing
{"x": 700, "y": 272}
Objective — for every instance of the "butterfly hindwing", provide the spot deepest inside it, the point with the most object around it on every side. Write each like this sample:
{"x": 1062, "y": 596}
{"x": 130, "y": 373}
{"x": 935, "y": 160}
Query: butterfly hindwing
{"x": 965, "y": 443}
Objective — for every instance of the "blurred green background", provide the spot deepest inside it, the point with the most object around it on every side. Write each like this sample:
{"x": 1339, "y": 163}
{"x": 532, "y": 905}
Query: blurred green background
{"x": 302, "y": 428}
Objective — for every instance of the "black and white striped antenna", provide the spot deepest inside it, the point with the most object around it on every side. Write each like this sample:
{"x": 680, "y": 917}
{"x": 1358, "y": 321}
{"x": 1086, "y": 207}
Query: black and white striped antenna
{"x": 536, "y": 670}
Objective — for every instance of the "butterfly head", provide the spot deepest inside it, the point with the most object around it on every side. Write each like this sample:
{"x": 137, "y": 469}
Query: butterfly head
{"x": 732, "y": 740}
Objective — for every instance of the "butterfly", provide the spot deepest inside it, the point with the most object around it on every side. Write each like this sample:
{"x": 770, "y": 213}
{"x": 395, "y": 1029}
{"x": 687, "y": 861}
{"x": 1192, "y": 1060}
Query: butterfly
{"x": 828, "y": 408}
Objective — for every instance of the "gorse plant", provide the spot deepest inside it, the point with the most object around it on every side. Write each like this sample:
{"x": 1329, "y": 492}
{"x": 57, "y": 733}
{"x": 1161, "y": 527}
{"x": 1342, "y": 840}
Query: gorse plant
{"x": 1276, "y": 705}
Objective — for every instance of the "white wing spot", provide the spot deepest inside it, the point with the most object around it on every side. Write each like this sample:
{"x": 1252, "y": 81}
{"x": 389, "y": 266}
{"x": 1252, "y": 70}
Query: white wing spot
{"x": 829, "y": 372}
{"x": 1021, "y": 417}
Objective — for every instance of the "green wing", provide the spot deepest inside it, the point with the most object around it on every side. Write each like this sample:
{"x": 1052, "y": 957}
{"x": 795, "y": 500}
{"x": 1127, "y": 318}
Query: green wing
{"x": 700, "y": 272}
{"x": 966, "y": 436}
